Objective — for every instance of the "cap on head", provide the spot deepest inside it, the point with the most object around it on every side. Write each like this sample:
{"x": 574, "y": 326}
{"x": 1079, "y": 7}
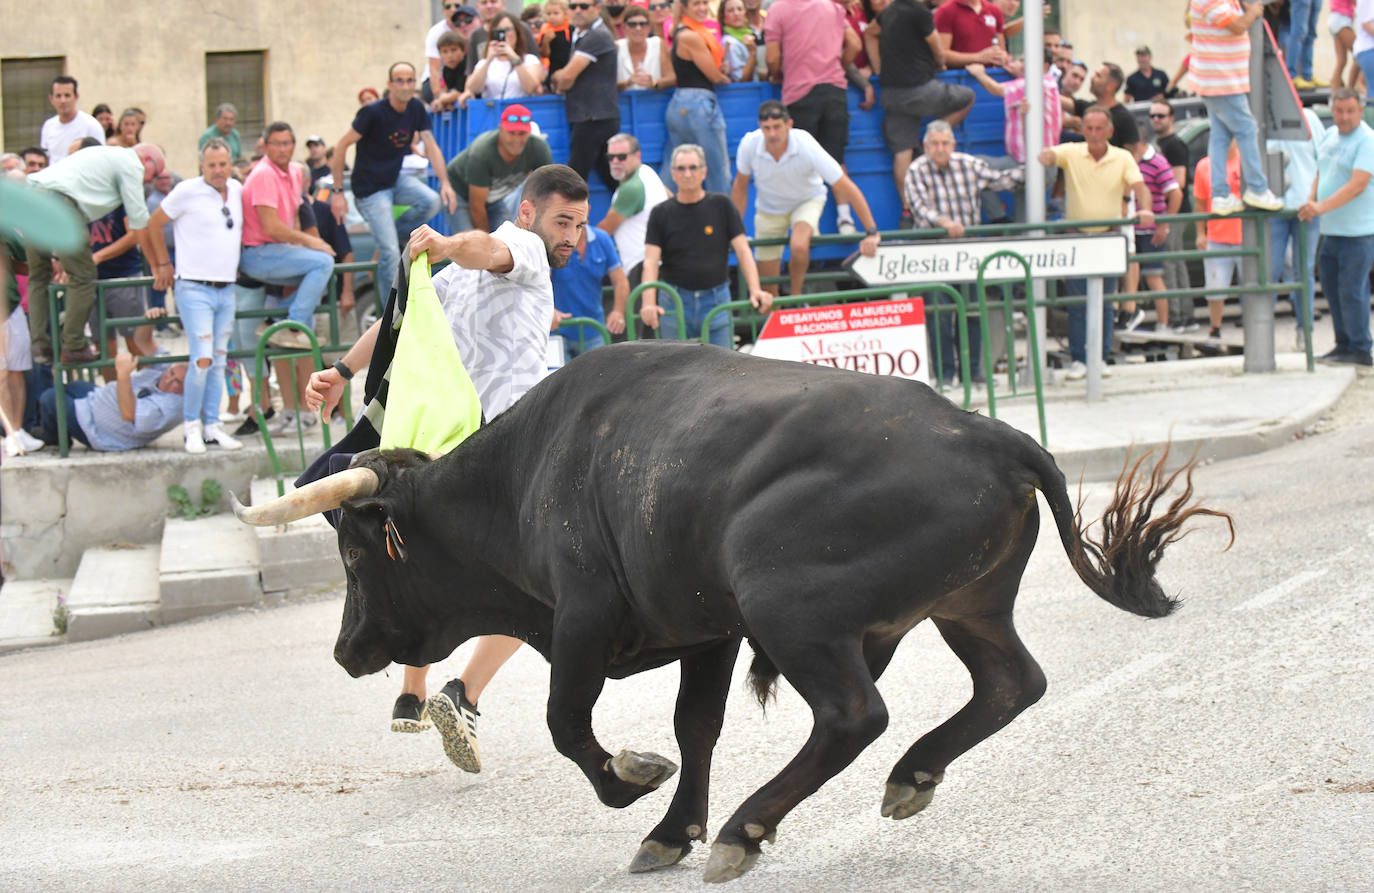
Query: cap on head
{"x": 315, "y": 138}
{"x": 516, "y": 118}
{"x": 466, "y": 11}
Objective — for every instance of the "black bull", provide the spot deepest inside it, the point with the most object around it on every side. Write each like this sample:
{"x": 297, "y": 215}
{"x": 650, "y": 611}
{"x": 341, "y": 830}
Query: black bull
{"x": 656, "y": 503}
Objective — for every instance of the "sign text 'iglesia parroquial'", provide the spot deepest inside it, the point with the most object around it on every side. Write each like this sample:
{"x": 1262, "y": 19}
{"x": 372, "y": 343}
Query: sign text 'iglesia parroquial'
{"x": 958, "y": 260}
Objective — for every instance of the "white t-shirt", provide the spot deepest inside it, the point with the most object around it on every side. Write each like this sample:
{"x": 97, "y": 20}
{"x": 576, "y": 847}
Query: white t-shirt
{"x": 57, "y": 137}
{"x": 207, "y": 249}
{"x": 432, "y": 45}
{"x": 633, "y": 200}
{"x": 782, "y": 184}
{"x": 1364, "y": 11}
{"x": 653, "y": 62}
{"x": 500, "y": 323}
{"x": 502, "y": 80}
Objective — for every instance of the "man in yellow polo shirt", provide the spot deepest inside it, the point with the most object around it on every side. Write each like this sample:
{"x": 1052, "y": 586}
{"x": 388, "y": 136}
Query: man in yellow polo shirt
{"x": 1097, "y": 176}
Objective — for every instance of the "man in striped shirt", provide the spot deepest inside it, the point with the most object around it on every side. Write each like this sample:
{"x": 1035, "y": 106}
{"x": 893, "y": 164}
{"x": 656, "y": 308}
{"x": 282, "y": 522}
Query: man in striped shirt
{"x": 942, "y": 188}
{"x": 1219, "y": 67}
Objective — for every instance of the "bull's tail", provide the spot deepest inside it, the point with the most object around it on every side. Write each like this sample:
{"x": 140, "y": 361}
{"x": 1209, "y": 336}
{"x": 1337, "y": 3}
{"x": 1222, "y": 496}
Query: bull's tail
{"x": 763, "y": 676}
{"x": 1119, "y": 565}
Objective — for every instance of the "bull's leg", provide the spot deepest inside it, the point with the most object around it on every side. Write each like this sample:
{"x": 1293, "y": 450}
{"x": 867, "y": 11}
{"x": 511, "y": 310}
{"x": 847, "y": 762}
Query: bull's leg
{"x": 1006, "y": 680}
{"x": 577, "y": 675}
{"x": 848, "y": 713}
{"x": 701, "y": 697}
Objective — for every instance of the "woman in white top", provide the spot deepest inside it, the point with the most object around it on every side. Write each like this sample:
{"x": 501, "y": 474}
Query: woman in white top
{"x": 508, "y": 69}
{"x": 643, "y": 56}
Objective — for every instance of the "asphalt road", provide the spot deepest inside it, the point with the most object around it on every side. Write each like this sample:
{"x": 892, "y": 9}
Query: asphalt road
{"x": 1226, "y": 748}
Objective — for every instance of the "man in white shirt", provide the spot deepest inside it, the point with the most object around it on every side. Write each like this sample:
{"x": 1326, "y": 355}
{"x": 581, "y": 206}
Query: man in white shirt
{"x": 70, "y": 123}
{"x": 206, "y": 214}
{"x": 498, "y": 299}
{"x": 639, "y": 191}
{"x": 791, "y": 170}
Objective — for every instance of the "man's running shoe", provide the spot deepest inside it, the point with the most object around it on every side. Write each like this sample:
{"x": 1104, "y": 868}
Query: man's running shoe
{"x": 456, "y": 719}
{"x": 409, "y": 715}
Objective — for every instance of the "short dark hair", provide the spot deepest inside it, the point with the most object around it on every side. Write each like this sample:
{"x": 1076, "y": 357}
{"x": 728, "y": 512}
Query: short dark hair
{"x": 278, "y": 127}
{"x": 1167, "y": 105}
{"x": 34, "y": 150}
{"x": 453, "y": 39}
{"x": 1114, "y": 72}
{"x": 101, "y": 107}
{"x": 64, "y": 79}
{"x": 555, "y": 179}
{"x": 772, "y": 108}
{"x": 89, "y": 141}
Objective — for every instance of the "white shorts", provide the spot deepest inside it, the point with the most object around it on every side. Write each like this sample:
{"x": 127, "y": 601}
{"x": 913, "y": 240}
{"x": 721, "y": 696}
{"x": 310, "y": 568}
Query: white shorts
{"x": 1337, "y": 23}
{"x": 1220, "y": 271}
{"x": 776, "y": 226}
{"x": 16, "y": 355}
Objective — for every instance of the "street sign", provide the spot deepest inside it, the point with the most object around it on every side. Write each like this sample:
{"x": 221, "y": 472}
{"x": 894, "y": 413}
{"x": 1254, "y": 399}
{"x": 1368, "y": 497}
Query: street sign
{"x": 879, "y": 337}
{"x": 957, "y": 260}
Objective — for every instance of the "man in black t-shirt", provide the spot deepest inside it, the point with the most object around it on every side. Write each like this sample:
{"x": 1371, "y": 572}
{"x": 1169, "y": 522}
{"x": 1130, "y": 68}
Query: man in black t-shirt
{"x": 1106, "y": 81}
{"x": 909, "y": 55}
{"x": 1147, "y": 82}
{"x": 1176, "y": 152}
{"x": 384, "y": 131}
{"x": 588, "y": 84}
{"x": 687, "y": 245}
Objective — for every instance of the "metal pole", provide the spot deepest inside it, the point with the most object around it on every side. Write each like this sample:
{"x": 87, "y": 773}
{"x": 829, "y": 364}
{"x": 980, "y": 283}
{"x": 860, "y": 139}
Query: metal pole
{"x": 1257, "y": 311}
{"x": 1094, "y": 339}
{"x": 1033, "y": 40}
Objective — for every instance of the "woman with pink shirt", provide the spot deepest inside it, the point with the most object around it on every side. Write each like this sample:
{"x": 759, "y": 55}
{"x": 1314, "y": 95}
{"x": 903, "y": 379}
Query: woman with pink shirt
{"x": 1342, "y": 25}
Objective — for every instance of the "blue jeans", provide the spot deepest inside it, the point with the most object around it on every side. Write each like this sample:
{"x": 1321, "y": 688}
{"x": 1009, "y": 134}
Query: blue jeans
{"x": 1231, "y": 117}
{"x": 1078, "y": 318}
{"x": 694, "y": 116}
{"x": 1345, "y": 264}
{"x": 1282, "y": 232}
{"x": 391, "y": 231}
{"x": 696, "y": 303}
{"x": 1366, "y": 62}
{"x": 47, "y": 411}
{"x": 207, "y": 315}
{"x": 498, "y": 212}
{"x": 575, "y": 346}
{"x": 1302, "y": 33}
{"x": 281, "y": 264}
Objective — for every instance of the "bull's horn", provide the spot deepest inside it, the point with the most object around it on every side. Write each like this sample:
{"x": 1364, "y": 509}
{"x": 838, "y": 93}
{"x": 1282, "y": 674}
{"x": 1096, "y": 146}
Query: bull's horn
{"x": 318, "y": 496}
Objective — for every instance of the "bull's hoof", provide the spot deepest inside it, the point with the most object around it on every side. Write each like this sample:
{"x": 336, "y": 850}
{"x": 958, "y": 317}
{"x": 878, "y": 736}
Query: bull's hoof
{"x": 653, "y": 855}
{"x": 902, "y": 801}
{"x": 644, "y": 769}
{"x": 728, "y": 861}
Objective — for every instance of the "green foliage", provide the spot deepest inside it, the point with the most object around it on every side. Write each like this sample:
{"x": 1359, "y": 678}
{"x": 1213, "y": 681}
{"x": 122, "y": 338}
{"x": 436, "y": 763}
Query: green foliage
{"x": 211, "y": 492}
{"x": 60, "y": 614}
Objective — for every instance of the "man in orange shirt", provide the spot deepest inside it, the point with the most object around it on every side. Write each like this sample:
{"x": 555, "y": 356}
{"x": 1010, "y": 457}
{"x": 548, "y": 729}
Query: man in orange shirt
{"x": 1218, "y": 235}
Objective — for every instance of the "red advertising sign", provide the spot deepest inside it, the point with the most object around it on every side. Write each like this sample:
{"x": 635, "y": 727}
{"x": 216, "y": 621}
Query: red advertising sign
{"x": 878, "y": 337}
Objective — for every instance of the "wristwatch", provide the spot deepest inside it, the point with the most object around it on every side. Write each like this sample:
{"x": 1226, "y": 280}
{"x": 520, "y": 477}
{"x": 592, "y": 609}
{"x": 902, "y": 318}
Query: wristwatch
{"x": 344, "y": 372}
{"x": 870, "y": 231}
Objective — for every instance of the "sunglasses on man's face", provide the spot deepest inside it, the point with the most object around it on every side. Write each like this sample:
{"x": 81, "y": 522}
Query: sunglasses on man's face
{"x": 1160, "y": 117}
{"x": 660, "y": 6}
{"x": 638, "y": 23}
{"x": 618, "y": 156}
{"x": 580, "y": 5}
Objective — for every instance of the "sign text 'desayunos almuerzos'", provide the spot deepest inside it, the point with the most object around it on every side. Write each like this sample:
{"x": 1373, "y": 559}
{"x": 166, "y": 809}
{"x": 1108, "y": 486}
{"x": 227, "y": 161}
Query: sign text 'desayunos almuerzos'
{"x": 879, "y": 337}
{"x": 958, "y": 261}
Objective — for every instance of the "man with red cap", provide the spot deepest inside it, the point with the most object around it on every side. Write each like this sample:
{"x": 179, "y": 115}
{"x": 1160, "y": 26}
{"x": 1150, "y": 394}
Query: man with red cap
{"x": 487, "y": 176}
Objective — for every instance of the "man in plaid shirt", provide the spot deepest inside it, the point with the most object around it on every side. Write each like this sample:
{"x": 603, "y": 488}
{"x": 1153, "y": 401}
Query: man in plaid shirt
{"x": 942, "y": 189}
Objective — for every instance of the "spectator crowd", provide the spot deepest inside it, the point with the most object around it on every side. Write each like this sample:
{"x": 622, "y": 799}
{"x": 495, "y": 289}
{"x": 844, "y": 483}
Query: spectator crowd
{"x": 261, "y": 228}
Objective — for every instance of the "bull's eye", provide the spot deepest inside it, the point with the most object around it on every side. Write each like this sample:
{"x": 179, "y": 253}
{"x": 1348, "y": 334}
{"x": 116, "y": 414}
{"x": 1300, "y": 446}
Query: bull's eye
{"x": 353, "y": 555}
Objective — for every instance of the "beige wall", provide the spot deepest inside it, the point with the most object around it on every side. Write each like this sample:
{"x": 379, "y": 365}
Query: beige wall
{"x": 152, "y": 55}
{"x": 1110, "y": 31}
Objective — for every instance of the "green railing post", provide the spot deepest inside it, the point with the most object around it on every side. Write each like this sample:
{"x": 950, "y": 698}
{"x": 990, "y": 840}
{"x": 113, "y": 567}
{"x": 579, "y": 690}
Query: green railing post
{"x": 632, "y": 314}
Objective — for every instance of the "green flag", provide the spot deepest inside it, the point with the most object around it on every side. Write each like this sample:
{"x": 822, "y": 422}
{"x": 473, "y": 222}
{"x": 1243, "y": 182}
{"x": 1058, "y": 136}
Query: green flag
{"x": 431, "y": 404}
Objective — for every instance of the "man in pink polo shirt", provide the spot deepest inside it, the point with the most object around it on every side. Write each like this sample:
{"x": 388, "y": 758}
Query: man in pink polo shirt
{"x": 275, "y": 250}
{"x": 807, "y": 45}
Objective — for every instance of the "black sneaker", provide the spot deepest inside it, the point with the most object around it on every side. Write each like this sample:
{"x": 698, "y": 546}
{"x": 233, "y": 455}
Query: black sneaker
{"x": 250, "y": 424}
{"x": 456, "y": 719}
{"x": 908, "y": 221}
{"x": 409, "y": 715}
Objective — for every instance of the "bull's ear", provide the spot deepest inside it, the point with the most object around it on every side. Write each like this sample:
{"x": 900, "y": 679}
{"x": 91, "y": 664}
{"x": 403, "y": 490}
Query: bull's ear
{"x": 367, "y": 505}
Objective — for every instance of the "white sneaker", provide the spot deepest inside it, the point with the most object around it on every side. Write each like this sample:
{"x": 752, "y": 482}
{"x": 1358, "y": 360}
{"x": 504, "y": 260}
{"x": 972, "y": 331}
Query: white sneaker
{"x": 1265, "y": 201}
{"x": 1229, "y": 204}
{"x": 846, "y": 227}
{"x": 1076, "y": 372}
{"x": 195, "y": 443}
{"x": 1134, "y": 322}
{"x": 12, "y": 447}
{"x": 285, "y": 421}
{"x": 30, "y": 443}
{"x": 216, "y": 435}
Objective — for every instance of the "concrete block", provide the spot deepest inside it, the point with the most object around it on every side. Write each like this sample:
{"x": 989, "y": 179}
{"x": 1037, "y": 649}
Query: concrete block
{"x": 206, "y": 591}
{"x": 34, "y": 492}
{"x": 38, "y": 551}
{"x": 313, "y": 572}
{"x": 26, "y": 612}
{"x": 207, "y": 565}
{"x": 301, "y": 554}
{"x": 119, "y": 575}
{"x": 111, "y": 620}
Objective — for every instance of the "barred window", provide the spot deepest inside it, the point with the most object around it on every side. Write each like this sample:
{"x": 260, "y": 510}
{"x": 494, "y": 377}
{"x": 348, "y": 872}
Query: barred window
{"x": 26, "y": 84}
{"x": 239, "y": 78}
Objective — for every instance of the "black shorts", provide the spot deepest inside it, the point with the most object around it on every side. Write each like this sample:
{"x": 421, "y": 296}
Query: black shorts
{"x": 824, "y": 113}
{"x": 905, "y": 107}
